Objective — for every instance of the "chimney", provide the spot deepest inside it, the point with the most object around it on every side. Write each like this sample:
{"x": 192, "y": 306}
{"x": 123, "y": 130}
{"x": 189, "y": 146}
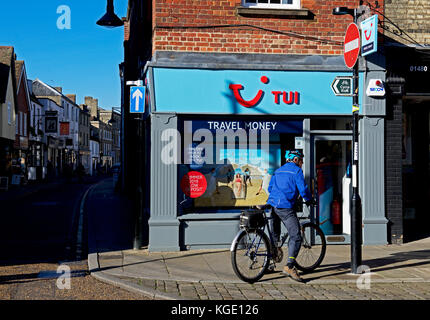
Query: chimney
{"x": 93, "y": 105}
{"x": 59, "y": 89}
{"x": 71, "y": 97}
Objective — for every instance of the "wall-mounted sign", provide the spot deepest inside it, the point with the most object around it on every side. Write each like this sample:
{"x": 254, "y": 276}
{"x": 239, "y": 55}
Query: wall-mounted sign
{"x": 422, "y": 68}
{"x": 250, "y": 92}
{"x": 51, "y": 125}
{"x": 279, "y": 95}
{"x": 375, "y": 88}
{"x": 351, "y": 45}
{"x": 342, "y": 86}
{"x": 299, "y": 143}
{"x": 137, "y": 99}
{"x": 369, "y": 36}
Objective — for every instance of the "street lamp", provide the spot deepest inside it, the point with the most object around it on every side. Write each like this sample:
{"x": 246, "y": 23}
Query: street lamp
{"x": 343, "y": 10}
{"x": 356, "y": 214}
{"x": 110, "y": 19}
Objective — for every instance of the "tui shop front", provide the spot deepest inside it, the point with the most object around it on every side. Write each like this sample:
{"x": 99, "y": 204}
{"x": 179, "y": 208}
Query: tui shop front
{"x": 218, "y": 130}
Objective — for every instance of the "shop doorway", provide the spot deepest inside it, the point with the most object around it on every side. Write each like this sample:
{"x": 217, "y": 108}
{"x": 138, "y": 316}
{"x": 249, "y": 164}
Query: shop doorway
{"x": 416, "y": 169}
{"x": 331, "y": 185}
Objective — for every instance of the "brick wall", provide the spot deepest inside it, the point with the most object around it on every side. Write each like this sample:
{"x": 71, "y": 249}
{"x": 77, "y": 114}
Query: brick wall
{"x": 190, "y": 25}
{"x": 412, "y": 16}
{"x": 393, "y": 166}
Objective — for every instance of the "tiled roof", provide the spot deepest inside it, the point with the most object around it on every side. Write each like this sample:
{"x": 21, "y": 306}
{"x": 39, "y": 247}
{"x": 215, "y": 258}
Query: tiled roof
{"x": 6, "y": 54}
{"x": 19, "y": 65}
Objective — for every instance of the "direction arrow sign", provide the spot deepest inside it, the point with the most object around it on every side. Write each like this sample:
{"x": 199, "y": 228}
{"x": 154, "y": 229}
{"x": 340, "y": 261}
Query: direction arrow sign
{"x": 351, "y": 45}
{"x": 342, "y": 86}
{"x": 137, "y": 99}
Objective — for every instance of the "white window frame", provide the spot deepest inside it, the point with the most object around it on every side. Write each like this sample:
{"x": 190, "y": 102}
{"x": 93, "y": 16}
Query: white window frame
{"x": 9, "y": 113}
{"x": 25, "y": 124}
{"x": 295, "y": 5}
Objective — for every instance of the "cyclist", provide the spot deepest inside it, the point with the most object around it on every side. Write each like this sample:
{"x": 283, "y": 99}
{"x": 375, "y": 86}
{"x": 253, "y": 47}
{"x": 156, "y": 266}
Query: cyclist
{"x": 285, "y": 186}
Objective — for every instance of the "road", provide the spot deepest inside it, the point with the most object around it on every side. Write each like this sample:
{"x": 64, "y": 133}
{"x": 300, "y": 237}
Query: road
{"x": 40, "y": 240}
{"x": 40, "y": 232}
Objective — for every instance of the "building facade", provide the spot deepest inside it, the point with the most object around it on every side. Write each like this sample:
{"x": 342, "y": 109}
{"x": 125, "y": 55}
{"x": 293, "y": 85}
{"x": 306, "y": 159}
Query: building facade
{"x": 113, "y": 119}
{"x": 69, "y": 128}
{"x": 101, "y": 119}
{"x": 407, "y": 44}
{"x": 37, "y": 163}
{"x": 248, "y": 70}
{"x": 84, "y": 138}
{"x": 53, "y": 114}
{"x": 66, "y": 135}
{"x": 21, "y": 145}
{"x": 94, "y": 150}
{"x": 7, "y": 112}
{"x": 116, "y": 136}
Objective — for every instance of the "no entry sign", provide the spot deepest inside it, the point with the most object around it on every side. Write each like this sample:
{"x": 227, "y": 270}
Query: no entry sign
{"x": 351, "y": 45}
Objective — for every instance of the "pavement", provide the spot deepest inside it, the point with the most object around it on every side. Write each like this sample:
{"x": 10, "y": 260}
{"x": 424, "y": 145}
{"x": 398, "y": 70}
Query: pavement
{"x": 401, "y": 271}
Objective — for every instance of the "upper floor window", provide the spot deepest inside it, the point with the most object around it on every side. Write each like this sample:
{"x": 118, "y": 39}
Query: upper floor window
{"x": 282, "y": 4}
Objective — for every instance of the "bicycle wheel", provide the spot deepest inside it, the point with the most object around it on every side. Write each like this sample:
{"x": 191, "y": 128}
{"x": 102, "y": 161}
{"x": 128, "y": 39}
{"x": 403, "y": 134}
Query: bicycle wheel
{"x": 313, "y": 248}
{"x": 250, "y": 255}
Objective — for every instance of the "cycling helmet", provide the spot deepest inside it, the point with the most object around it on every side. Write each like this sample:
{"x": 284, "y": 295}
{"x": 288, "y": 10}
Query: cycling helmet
{"x": 291, "y": 154}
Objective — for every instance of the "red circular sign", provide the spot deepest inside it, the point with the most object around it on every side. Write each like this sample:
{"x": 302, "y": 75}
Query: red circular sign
{"x": 193, "y": 184}
{"x": 351, "y": 45}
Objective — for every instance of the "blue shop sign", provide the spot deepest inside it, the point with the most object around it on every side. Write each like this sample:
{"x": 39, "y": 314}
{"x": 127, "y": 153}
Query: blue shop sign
{"x": 256, "y": 92}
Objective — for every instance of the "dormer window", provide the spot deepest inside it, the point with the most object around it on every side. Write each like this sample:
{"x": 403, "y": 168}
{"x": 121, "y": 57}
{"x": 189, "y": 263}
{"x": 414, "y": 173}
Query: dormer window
{"x": 272, "y": 4}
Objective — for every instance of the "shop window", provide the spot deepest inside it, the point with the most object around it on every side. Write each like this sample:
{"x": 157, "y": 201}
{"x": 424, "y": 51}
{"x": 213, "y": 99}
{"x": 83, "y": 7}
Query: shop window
{"x": 237, "y": 165}
{"x": 9, "y": 113}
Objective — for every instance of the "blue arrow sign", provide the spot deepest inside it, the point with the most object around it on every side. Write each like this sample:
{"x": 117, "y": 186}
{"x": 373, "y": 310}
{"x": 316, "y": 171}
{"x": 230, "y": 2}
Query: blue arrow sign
{"x": 137, "y": 99}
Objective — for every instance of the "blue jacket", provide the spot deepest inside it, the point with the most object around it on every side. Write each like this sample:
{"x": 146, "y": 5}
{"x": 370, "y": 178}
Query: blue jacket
{"x": 285, "y": 186}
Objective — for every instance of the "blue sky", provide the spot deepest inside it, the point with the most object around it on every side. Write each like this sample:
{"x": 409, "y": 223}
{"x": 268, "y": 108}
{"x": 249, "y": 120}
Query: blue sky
{"x": 82, "y": 60}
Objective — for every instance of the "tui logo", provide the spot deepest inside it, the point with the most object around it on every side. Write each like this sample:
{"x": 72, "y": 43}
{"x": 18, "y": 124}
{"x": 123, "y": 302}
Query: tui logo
{"x": 287, "y": 98}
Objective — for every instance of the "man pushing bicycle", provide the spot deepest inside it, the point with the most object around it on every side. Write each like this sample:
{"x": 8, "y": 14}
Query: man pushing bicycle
{"x": 284, "y": 187}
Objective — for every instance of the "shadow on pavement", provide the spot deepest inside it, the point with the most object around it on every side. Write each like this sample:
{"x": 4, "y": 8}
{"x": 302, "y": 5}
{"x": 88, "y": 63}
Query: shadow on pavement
{"x": 395, "y": 261}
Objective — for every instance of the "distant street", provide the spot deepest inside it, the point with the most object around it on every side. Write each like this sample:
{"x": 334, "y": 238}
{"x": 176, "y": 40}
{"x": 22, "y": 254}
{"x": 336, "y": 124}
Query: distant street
{"x": 42, "y": 227}
{"x": 40, "y": 231}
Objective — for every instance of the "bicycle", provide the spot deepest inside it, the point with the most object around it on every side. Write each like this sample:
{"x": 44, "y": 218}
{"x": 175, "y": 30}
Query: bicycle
{"x": 252, "y": 250}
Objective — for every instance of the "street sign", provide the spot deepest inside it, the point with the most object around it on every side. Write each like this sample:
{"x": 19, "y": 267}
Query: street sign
{"x": 369, "y": 39}
{"x": 351, "y": 45}
{"x": 375, "y": 88}
{"x": 137, "y": 99}
{"x": 51, "y": 124}
{"x": 342, "y": 86}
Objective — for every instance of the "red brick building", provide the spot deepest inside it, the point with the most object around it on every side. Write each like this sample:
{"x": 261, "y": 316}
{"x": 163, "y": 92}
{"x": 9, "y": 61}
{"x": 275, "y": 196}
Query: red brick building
{"x": 245, "y": 63}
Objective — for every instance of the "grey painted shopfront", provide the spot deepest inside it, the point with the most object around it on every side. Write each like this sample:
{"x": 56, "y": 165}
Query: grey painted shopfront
{"x": 191, "y": 96}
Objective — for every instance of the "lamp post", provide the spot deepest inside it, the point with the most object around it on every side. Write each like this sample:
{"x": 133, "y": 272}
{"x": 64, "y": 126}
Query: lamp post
{"x": 111, "y": 20}
{"x": 356, "y": 214}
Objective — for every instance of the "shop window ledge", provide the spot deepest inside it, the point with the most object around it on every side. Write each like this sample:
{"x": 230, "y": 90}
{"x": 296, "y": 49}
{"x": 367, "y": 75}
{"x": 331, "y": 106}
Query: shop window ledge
{"x": 210, "y": 216}
{"x": 281, "y": 13}
{"x": 221, "y": 216}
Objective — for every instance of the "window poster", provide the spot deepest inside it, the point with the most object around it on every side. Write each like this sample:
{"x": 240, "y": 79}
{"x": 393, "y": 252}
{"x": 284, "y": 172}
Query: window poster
{"x": 236, "y": 158}
{"x": 243, "y": 179}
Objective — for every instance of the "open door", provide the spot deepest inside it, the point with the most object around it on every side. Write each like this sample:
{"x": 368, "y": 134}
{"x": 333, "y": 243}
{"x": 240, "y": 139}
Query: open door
{"x": 331, "y": 184}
